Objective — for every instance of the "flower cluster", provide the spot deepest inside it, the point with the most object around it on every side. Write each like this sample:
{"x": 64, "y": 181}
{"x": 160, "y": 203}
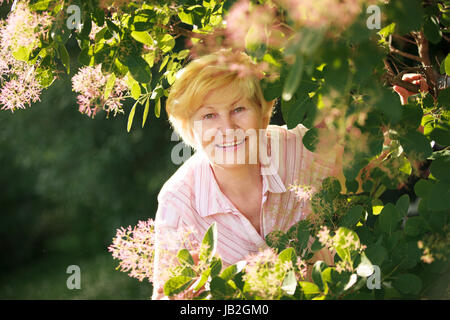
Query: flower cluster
{"x": 134, "y": 247}
{"x": 302, "y": 192}
{"x": 264, "y": 274}
{"x": 435, "y": 246}
{"x": 322, "y": 13}
{"x": 19, "y": 35}
{"x": 343, "y": 241}
{"x": 90, "y": 82}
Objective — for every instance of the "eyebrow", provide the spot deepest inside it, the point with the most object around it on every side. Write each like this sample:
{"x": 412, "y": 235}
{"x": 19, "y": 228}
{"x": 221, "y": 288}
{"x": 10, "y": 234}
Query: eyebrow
{"x": 209, "y": 107}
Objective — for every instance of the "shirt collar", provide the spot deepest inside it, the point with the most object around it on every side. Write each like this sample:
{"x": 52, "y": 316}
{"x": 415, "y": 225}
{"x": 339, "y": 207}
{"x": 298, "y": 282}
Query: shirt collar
{"x": 211, "y": 200}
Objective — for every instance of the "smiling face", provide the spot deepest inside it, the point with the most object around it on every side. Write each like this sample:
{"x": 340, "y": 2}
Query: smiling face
{"x": 227, "y": 127}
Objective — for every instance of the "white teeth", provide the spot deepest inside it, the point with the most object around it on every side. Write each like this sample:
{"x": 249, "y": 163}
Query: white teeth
{"x": 231, "y": 144}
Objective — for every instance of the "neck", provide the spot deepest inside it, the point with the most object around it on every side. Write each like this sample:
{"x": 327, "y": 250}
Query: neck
{"x": 238, "y": 181}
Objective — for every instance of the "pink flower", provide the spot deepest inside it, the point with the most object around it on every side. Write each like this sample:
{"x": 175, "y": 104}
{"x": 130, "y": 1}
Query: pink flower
{"x": 90, "y": 82}
{"x": 320, "y": 13}
{"x": 18, "y": 93}
{"x": 134, "y": 247}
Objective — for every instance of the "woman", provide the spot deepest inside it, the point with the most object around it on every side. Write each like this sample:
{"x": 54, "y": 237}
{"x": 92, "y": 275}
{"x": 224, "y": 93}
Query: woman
{"x": 243, "y": 168}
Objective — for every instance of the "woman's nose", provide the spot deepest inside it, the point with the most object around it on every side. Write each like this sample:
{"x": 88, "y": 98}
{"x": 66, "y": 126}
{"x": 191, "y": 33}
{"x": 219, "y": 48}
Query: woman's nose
{"x": 227, "y": 123}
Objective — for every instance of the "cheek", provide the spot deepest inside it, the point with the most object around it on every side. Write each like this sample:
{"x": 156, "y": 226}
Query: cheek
{"x": 206, "y": 132}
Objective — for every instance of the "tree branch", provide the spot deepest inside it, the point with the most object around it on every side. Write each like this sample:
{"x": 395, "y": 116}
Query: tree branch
{"x": 422, "y": 46}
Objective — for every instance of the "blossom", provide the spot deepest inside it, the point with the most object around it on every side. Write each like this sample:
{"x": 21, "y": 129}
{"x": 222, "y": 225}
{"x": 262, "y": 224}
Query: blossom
{"x": 264, "y": 274}
{"x": 302, "y": 192}
{"x": 134, "y": 247}
{"x": 18, "y": 93}
{"x": 90, "y": 82}
{"x": 322, "y": 13}
{"x": 324, "y": 237}
{"x": 24, "y": 27}
{"x": 21, "y": 30}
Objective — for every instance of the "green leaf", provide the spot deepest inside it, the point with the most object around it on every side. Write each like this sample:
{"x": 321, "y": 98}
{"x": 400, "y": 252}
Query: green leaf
{"x": 40, "y": 5}
{"x": 166, "y": 42}
{"x": 186, "y": 17}
{"x": 158, "y": 108}
{"x": 444, "y": 98}
{"x": 139, "y": 68}
{"x": 289, "y": 283}
{"x": 411, "y": 116}
{"x": 377, "y": 254}
{"x": 447, "y": 64}
{"x": 216, "y": 266}
{"x": 388, "y": 218}
{"x": 413, "y": 226}
{"x": 298, "y": 110}
{"x": 209, "y": 243}
{"x": 416, "y": 145}
{"x": 438, "y": 197}
{"x": 145, "y": 115}
{"x": 184, "y": 257}
{"x": 300, "y": 233}
{"x": 176, "y": 285}
{"x": 131, "y": 116}
{"x": 45, "y": 77}
{"x": 388, "y": 30}
{"x": 183, "y": 54}
{"x": 408, "y": 283}
{"x": 310, "y": 139}
{"x": 316, "y": 275}
{"x": 287, "y": 255}
{"x": 143, "y": 37}
{"x": 402, "y": 204}
{"x": 64, "y": 55}
{"x": 345, "y": 242}
{"x": 422, "y": 188}
{"x": 351, "y": 185}
{"x": 432, "y": 30}
{"x": 293, "y": 78}
{"x": 202, "y": 280}
{"x": 441, "y": 134}
{"x": 232, "y": 270}
{"x": 109, "y": 86}
{"x": 310, "y": 289}
{"x": 352, "y": 216}
{"x": 22, "y": 53}
{"x": 407, "y": 15}
{"x": 220, "y": 289}
{"x": 440, "y": 169}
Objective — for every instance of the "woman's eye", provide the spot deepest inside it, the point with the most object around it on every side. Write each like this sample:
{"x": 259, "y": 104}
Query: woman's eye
{"x": 208, "y": 116}
{"x": 239, "y": 109}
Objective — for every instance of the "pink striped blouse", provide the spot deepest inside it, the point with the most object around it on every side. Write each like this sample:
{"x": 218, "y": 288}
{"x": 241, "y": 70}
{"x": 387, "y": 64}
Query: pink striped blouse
{"x": 192, "y": 197}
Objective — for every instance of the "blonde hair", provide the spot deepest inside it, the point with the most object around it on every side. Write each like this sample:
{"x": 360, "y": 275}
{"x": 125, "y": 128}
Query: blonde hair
{"x": 207, "y": 73}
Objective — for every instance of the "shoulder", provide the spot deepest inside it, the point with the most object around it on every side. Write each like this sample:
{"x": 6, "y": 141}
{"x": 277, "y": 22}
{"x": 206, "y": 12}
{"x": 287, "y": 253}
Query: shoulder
{"x": 289, "y": 141}
{"x": 287, "y": 134}
{"x": 182, "y": 179}
{"x": 177, "y": 196}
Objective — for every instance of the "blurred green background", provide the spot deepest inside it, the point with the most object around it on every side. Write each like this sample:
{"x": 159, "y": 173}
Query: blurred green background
{"x": 68, "y": 182}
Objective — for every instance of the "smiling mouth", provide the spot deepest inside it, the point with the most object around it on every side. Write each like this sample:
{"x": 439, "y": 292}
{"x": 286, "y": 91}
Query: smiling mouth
{"x": 231, "y": 144}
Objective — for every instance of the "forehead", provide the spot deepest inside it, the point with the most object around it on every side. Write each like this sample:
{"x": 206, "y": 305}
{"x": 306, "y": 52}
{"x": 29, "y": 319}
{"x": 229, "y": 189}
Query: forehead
{"x": 224, "y": 97}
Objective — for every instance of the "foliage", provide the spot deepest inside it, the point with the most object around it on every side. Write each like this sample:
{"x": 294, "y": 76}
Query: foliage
{"x": 331, "y": 73}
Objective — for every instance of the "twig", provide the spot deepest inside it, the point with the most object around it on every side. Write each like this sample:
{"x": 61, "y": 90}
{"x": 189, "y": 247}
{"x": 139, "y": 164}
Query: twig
{"x": 422, "y": 46}
{"x": 403, "y": 38}
{"x": 404, "y": 54}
